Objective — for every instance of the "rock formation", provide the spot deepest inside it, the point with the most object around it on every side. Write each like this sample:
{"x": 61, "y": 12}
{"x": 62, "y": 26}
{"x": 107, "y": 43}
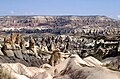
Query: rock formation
{"x": 90, "y": 25}
{"x": 76, "y": 68}
{"x": 55, "y": 58}
{"x": 59, "y": 47}
{"x": 14, "y": 50}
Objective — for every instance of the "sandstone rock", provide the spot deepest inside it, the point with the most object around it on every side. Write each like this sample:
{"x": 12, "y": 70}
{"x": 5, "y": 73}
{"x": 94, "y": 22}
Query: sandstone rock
{"x": 74, "y": 62}
{"x": 28, "y": 52}
{"x": 36, "y": 70}
{"x": 17, "y": 76}
{"x": 27, "y": 60}
{"x": 72, "y": 68}
{"x": 45, "y": 66}
{"x": 72, "y": 22}
{"x": 17, "y": 68}
{"x": 1, "y": 53}
{"x": 92, "y": 61}
{"x": 0, "y": 46}
{"x": 13, "y": 38}
{"x": 18, "y": 54}
{"x": 19, "y": 71}
{"x": 90, "y": 73}
{"x": 31, "y": 42}
{"x": 8, "y": 53}
{"x": 75, "y": 70}
{"x": 6, "y": 59}
{"x": 8, "y": 46}
{"x": 44, "y": 48}
{"x": 112, "y": 62}
{"x": 43, "y": 75}
{"x": 6, "y": 74}
{"x": 17, "y": 46}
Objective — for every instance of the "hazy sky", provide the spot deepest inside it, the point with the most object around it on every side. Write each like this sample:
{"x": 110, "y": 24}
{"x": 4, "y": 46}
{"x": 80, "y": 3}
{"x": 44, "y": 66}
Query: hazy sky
{"x": 61, "y": 7}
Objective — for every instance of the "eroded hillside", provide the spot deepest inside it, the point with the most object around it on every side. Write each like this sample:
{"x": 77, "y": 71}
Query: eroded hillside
{"x": 60, "y": 24}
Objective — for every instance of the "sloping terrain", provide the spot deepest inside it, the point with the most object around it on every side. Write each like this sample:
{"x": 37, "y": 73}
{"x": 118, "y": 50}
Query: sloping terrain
{"x": 55, "y": 21}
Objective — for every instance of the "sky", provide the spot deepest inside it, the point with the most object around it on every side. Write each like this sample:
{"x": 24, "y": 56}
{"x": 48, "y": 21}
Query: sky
{"x": 110, "y": 8}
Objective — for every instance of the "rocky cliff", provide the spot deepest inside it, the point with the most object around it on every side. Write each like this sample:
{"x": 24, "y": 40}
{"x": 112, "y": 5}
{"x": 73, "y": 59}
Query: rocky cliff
{"x": 55, "y": 21}
{"x": 72, "y": 23}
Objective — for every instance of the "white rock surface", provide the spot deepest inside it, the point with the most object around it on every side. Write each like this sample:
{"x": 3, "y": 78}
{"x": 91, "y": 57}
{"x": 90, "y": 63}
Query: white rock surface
{"x": 72, "y": 68}
{"x": 92, "y": 61}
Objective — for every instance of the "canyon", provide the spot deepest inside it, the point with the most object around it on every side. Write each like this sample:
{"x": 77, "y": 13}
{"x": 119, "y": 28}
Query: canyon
{"x": 59, "y": 47}
{"x": 60, "y": 24}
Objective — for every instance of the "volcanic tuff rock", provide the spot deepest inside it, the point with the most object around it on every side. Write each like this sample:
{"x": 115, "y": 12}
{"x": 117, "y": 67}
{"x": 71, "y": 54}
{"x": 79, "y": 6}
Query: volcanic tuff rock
{"x": 60, "y": 24}
{"x": 54, "y": 21}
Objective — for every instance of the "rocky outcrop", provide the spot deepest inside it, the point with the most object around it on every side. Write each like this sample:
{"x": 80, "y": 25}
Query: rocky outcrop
{"x": 73, "y": 67}
{"x": 78, "y": 55}
{"x": 55, "y": 20}
{"x": 90, "y": 73}
{"x": 18, "y": 71}
{"x": 36, "y": 46}
{"x": 76, "y": 68}
{"x": 13, "y": 50}
{"x": 112, "y": 63}
{"x": 54, "y": 24}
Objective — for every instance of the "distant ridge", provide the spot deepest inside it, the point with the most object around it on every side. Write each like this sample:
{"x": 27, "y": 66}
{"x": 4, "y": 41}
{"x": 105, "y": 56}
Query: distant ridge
{"x": 57, "y": 21}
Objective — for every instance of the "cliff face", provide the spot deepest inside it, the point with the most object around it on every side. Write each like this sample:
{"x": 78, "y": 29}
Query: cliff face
{"x": 73, "y": 24}
{"x": 54, "y": 21}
